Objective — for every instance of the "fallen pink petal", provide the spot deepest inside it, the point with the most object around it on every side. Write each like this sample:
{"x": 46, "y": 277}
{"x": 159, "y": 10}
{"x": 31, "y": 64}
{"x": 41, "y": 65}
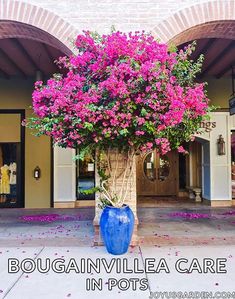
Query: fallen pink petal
{"x": 186, "y": 215}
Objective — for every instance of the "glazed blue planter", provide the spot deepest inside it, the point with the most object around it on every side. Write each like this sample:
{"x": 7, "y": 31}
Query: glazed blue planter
{"x": 116, "y": 226}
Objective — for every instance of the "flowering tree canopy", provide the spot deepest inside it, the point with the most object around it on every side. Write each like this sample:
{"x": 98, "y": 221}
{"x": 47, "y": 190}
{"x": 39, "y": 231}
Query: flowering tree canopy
{"x": 121, "y": 91}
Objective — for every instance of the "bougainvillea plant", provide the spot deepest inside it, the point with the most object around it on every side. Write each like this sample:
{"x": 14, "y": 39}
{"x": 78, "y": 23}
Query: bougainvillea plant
{"x": 123, "y": 94}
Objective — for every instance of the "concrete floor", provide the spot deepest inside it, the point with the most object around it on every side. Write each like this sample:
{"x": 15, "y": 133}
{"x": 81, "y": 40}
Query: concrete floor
{"x": 163, "y": 234}
{"x": 156, "y": 227}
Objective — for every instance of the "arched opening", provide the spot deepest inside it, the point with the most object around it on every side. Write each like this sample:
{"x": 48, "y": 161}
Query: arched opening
{"x": 221, "y": 29}
{"x": 27, "y": 54}
{"x": 34, "y": 17}
{"x": 215, "y": 40}
{"x": 189, "y": 17}
{"x": 27, "y": 51}
{"x": 207, "y": 171}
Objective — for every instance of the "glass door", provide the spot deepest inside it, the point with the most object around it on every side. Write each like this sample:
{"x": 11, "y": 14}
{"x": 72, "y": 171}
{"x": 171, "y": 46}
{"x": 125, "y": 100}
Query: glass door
{"x": 11, "y": 159}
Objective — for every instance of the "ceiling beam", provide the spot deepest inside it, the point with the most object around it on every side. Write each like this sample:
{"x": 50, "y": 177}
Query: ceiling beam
{"x": 4, "y": 74}
{"x": 206, "y": 48}
{"x": 47, "y": 51}
{"x": 225, "y": 69}
{"x": 12, "y": 62}
{"x": 218, "y": 57}
{"x": 51, "y": 58}
{"x": 35, "y": 64}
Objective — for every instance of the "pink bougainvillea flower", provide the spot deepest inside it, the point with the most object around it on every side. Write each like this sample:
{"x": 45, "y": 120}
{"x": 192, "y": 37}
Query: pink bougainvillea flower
{"x": 188, "y": 215}
{"x": 40, "y": 218}
{"x": 121, "y": 90}
{"x": 182, "y": 150}
{"x": 124, "y": 91}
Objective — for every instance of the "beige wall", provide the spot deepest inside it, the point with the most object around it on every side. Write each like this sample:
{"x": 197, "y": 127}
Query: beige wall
{"x": 16, "y": 94}
{"x": 219, "y": 91}
{"x": 195, "y": 150}
{"x": 10, "y": 127}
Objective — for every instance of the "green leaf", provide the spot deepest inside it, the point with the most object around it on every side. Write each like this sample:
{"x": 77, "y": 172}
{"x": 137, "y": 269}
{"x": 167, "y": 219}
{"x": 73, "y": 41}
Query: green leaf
{"x": 124, "y": 132}
{"x": 88, "y": 126}
{"x": 89, "y": 191}
{"x": 143, "y": 112}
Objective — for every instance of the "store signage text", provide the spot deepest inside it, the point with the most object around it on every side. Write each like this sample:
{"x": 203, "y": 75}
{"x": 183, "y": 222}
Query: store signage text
{"x": 208, "y": 125}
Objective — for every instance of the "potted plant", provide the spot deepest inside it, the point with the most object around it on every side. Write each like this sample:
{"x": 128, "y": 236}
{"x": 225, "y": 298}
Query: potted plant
{"x": 122, "y": 94}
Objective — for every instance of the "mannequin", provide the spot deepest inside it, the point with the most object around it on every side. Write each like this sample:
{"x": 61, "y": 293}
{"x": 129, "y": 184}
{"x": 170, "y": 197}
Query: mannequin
{"x": 5, "y": 182}
{"x": 12, "y": 169}
{"x": 13, "y": 181}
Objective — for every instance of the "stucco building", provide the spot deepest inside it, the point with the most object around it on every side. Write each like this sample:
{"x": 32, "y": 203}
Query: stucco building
{"x": 35, "y": 33}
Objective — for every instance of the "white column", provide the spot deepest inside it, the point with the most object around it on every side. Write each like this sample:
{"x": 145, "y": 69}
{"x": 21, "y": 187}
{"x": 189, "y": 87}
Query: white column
{"x": 64, "y": 177}
{"x": 216, "y": 169}
{"x": 220, "y": 165}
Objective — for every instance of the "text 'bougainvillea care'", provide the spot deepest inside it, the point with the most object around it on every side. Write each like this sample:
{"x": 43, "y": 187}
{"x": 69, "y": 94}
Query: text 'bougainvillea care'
{"x": 123, "y": 94}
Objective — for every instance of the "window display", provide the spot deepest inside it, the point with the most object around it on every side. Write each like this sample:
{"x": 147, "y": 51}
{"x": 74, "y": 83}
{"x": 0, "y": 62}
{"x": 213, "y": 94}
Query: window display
{"x": 12, "y": 158}
{"x": 8, "y": 173}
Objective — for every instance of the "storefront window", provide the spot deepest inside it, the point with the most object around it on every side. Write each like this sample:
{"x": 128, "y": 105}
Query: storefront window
{"x": 85, "y": 178}
{"x": 11, "y": 159}
{"x": 8, "y": 173}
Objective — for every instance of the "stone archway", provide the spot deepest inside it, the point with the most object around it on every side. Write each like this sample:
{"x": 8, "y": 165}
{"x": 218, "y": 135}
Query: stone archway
{"x": 36, "y": 22}
{"x": 210, "y": 18}
{"x": 214, "y": 29}
{"x": 13, "y": 29}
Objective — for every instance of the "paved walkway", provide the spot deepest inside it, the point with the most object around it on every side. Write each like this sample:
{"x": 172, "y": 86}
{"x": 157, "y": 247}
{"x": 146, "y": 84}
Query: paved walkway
{"x": 169, "y": 233}
{"x": 190, "y": 225}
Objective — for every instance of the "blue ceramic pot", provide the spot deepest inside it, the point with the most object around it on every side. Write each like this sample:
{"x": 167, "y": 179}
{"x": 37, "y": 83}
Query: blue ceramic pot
{"x": 116, "y": 225}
